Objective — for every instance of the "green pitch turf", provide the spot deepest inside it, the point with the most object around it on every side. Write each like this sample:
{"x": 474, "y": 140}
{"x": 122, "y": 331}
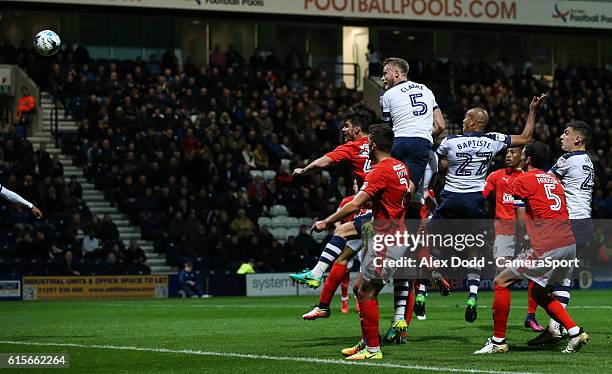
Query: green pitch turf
{"x": 206, "y": 334}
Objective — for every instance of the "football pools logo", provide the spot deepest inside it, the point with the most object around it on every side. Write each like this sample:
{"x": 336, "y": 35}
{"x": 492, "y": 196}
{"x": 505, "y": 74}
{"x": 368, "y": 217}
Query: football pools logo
{"x": 559, "y": 14}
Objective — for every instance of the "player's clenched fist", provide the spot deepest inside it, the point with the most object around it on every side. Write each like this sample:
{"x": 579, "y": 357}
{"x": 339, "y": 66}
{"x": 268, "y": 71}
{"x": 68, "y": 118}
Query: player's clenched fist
{"x": 36, "y": 212}
{"x": 319, "y": 226}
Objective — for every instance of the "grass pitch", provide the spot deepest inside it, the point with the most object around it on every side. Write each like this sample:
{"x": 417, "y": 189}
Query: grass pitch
{"x": 240, "y": 335}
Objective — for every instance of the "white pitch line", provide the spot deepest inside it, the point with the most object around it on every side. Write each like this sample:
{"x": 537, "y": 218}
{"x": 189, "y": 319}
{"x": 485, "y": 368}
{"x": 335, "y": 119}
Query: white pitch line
{"x": 258, "y": 357}
{"x": 204, "y": 305}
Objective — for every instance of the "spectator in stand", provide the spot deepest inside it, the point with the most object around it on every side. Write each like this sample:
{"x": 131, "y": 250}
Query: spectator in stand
{"x": 68, "y": 265}
{"x": 26, "y": 105}
{"x": 57, "y": 169}
{"x": 135, "y": 259}
{"x": 305, "y": 242}
{"x": 234, "y": 58}
{"x": 217, "y": 58}
{"x": 109, "y": 230}
{"x": 242, "y": 226}
{"x": 261, "y": 157}
{"x": 110, "y": 265}
{"x": 374, "y": 58}
{"x": 75, "y": 187}
{"x": 91, "y": 245}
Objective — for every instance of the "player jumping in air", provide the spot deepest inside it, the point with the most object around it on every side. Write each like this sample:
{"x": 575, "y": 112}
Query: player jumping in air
{"x": 467, "y": 158}
{"x": 388, "y": 187}
{"x": 549, "y": 230}
{"x": 575, "y": 171}
{"x": 411, "y": 110}
{"x": 346, "y": 242}
{"x": 355, "y": 151}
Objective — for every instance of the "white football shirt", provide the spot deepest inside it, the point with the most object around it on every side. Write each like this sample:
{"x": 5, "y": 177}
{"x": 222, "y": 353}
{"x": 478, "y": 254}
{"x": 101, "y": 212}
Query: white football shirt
{"x": 409, "y": 107}
{"x": 576, "y": 173}
{"x": 469, "y": 157}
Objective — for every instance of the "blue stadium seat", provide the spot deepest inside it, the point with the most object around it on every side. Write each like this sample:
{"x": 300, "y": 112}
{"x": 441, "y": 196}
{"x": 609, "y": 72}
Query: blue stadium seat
{"x": 320, "y": 236}
{"x": 306, "y": 221}
{"x": 255, "y": 173}
{"x": 269, "y": 175}
{"x": 279, "y": 210}
{"x": 279, "y": 233}
{"x": 280, "y": 221}
{"x": 292, "y": 232}
{"x": 292, "y": 222}
{"x": 264, "y": 221}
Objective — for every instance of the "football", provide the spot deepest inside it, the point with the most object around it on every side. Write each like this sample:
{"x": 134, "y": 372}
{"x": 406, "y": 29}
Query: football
{"x": 47, "y": 42}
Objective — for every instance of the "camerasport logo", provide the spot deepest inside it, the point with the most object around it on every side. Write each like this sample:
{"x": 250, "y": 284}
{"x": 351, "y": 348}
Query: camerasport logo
{"x": 577, "y": 15}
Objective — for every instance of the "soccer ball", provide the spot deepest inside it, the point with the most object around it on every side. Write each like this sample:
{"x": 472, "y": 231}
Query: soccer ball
{"x": 47, "y": 42}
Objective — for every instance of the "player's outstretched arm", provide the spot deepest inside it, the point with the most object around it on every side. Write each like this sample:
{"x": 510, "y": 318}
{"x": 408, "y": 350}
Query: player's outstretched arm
{"x": 438, "y": 123}
{"x": 318, "y": 164}
{"x": 519, "y": 140}
{"x": 354, "y": 205}
{"x": 15, "y": 198}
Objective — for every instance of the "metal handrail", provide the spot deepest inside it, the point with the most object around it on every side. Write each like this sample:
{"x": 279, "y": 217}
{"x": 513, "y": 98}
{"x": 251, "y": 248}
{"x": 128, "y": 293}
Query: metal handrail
{"x": 54, "y": 125}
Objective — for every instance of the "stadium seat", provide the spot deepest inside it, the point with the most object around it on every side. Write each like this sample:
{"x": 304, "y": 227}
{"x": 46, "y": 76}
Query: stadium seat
{"x": 292, "y": 232}
{"x": 255, "y": 173}
{"x": 320, "y": 236}
{"x": 306, "y": 221}
{"x": 292, "y": 222}
{"x": 279, "y": 233}
{"x": 279, "y": 210}
{"x": 264, "y": 221}
{"x": 279, "y": 222}
{"x": 269, "y": 175}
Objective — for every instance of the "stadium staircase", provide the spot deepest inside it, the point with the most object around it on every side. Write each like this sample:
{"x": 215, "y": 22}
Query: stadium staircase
{"x": 94, "y": 198}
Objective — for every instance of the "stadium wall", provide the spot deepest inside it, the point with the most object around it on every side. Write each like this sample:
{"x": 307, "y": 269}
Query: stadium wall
{"x": 126, "y": 30}
{"x": 566, "y": 14}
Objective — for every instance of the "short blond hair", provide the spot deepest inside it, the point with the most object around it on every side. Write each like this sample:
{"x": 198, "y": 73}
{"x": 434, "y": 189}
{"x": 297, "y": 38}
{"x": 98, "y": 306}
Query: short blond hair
{"x": 399, "y": 63}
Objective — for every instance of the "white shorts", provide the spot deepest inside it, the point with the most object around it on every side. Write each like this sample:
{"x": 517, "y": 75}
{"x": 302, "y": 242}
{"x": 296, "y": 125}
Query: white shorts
{"x": 547, "y": 275}
{"x": 354, "y": 244}
{"x": 375, "y": 266}
{"x": 504, "y": 246}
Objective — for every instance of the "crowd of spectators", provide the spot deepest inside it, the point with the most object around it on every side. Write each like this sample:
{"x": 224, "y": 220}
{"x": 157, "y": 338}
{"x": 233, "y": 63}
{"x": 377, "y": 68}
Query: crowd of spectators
{"x": 69, "y": 240}
{"x": 173, "y": 145}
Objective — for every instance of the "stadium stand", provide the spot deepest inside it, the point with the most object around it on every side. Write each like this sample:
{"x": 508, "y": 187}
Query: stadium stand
{"x": 180, "y": 150}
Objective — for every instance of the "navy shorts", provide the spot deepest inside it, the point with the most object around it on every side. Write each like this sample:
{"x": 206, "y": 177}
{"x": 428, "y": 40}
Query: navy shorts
{"x": 582, "y": 229}
{"x": 451, "y": 215}
{"x": 414, "y": 152}
{"x": 455, "y": 205}
{"x": 360, "y": 220}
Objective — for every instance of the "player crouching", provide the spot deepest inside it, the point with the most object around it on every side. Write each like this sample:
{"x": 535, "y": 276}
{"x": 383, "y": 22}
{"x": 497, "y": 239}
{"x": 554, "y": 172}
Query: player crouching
{"x": 549, "y": 230}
